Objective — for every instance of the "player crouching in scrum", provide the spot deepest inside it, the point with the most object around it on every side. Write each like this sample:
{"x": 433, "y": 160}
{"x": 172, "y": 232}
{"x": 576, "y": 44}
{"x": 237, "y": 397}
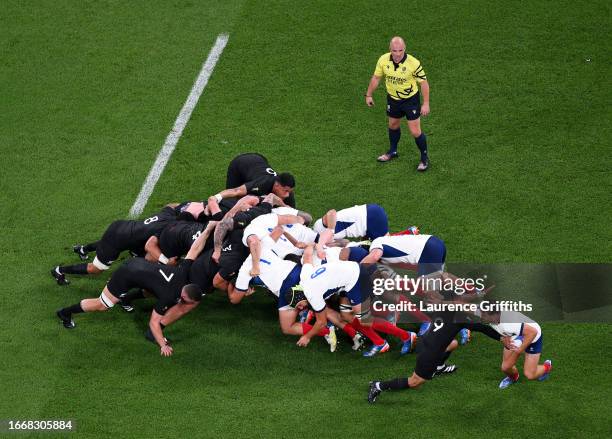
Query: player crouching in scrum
{"x": 521, "y": 335}
{"x": 176, "y": 295}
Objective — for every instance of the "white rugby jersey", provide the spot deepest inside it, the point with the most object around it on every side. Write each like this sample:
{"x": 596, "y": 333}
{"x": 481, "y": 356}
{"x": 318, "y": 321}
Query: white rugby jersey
{"x": 511, "y": 324}
{"x": 285, "y": 210}
{"x": 332, "y": 254}
{"x": 300, "y": 232}
{"x": 321, "y": 282}
{"x": 259, "y": 226}
{"x": 273, "y": 271}
{"x": 350, "y": 223}
{"x": 400, "y": 249}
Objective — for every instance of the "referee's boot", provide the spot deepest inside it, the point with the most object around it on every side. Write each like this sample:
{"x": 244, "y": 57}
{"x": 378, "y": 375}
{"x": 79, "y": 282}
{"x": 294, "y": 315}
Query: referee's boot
{"x": 423, "y": 165}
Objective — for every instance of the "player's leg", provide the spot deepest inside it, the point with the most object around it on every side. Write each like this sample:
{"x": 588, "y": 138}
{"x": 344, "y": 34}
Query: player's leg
{"x": 377, "y": 387}
{"x": 531, "y": 368}
{"x": 443, "y": 368}
{"x": 287, "y": 318}
{"x": 338, "y": 320}
{"x": 508, "y": 367}
{"x": 83, "y": 250}
{"x": 408, "y": 338}
{"x": 102, "y": 261}
{"x": 106, "y": 253}
{"x": 379, "y": 344}
{"x": 106, "y": 301}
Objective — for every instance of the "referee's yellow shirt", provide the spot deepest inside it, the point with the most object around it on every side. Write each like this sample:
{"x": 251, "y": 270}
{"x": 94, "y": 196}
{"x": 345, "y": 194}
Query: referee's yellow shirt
{"x": 401, "y": 79}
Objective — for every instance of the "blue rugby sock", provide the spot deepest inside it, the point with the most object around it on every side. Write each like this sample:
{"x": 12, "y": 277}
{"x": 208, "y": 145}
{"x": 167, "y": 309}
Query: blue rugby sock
{"x": 394, "y": 137}
{"x": 421, "y": 143}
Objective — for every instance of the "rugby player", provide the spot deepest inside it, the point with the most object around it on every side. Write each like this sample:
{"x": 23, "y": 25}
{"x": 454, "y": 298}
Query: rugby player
{"x": 233, "y": 254}
{"x": 251, "y": 174}
{"x": 242, "y": 219}
{"x": 259, "y": 228}
{"x": 521, "y": 336}
{"x": 363, "y": 221}
{"x": 320, "y": 283}
{"x": 204, "y": 211}
{"x": 171, "y": 286}
{"x": 434, "y": 348}
{"x": 120, "y": 236}
{"x": 426, "y": 253}
{"x": 279, "y": 276}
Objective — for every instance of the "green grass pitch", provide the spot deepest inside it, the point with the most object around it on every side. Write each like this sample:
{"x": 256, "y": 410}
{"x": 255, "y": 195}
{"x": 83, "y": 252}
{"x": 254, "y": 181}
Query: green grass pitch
{"x": 519, "y": 138}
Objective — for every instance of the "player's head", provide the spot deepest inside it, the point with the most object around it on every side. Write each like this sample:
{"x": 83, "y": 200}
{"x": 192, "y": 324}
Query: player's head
{"x": 284, "y": 184}
{"x": 397, "y": 47}
{"x": 191, "y": 294}
{"x": 294, "y": 296}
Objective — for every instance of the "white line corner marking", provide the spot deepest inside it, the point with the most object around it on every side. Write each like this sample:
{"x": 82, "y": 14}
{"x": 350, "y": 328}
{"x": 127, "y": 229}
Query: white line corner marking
{"x": 179, "y": 126}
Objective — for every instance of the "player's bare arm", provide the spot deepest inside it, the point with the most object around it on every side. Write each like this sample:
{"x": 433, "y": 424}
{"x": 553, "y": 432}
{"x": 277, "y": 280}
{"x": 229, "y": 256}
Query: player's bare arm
{"x": 225, "y": 225}
{"x": 319, "y": 324}
{"x": 158, "y": 334}
{"x": 198, "y": 244}
{"x": 239, "y": 191}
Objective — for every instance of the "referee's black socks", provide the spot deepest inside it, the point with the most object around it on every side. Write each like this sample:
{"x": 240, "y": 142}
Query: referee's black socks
{"x": 394, "y": 138}
{"x": 421, "y": 143}
{"x": 394, "y": 384}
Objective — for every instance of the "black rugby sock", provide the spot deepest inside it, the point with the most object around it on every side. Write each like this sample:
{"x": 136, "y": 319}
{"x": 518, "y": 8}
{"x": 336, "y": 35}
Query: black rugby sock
{"x": 445, "y": 357}
{"x": 421, "y": 143}
{"x": 394, "y": 137}
{"x": 74, "y": 309}
{"x": 74, "y": 269}
{"x": 90, "y": 247}
{"x": 394, "y": 384}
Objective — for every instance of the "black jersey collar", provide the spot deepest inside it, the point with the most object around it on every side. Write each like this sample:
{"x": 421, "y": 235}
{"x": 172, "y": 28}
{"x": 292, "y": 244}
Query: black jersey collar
{"x": 396, "y": 65}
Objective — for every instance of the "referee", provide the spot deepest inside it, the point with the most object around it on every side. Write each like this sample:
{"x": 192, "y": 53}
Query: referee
{"x": 405, "y": 81}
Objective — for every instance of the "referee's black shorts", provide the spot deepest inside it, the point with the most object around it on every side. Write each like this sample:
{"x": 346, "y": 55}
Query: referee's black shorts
{"x": 411, "y": 107}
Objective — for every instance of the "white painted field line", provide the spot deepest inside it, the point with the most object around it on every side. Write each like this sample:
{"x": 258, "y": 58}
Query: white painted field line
{"x": 179, "y": 126}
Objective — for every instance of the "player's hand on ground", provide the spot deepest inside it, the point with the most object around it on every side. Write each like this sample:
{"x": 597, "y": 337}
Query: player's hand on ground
{"x": 166, "y": 350}
{"x": 369, "y": 100}
{"x": 303, "y": 341}
{"x": 425, "y": 109}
